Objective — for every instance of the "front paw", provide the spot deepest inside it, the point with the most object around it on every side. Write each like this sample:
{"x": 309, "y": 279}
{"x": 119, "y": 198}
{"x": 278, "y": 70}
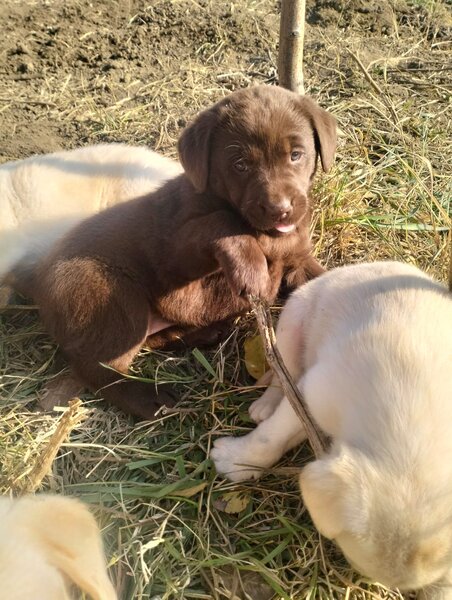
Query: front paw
{"x": 232, "y": 456}
{"x": 294, "y": 278}
{"x": 244, "y": 266}
{"x": 263, "y": 408}
{"x": 251, "y": 279}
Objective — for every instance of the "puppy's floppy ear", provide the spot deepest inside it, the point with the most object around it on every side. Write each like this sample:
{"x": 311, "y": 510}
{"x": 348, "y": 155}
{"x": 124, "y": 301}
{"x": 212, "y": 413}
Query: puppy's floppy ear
{"x": 194, "y": 147}
{"x": 67, "y": 534}
{"x": 333, "y": 495}
{"x": 320, "y": 488}
{"x": 324, "y": 125}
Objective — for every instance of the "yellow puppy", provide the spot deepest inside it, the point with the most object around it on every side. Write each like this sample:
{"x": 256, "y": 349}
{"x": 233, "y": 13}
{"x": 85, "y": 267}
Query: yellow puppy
{"x": 370, "y": 346}
{"x": 47, "y": 542}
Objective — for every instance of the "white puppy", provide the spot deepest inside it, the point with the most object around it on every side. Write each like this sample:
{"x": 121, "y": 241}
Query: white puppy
{"x": 42, "y": 197}
{"x": 46, "y": 542}
{"x": 371, "y": 348}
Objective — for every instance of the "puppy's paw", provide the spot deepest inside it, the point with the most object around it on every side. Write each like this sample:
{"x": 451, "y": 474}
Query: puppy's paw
{"x": 144, "y": 403}
{"x": 263, "y": 408}
{"x": 252, "y": 280}
{"x": 231, "y": 456}
{"x": 246, "y": 270}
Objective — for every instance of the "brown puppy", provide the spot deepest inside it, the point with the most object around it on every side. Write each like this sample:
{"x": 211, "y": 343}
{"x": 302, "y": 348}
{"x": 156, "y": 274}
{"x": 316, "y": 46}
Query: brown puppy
{"x": 184, "y": 257}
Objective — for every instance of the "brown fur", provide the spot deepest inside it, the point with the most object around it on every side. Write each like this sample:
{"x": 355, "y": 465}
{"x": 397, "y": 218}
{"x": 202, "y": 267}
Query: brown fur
{"x": 190, "y": 252}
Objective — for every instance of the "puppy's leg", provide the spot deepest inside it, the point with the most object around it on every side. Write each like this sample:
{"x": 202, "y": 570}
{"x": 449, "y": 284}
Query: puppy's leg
{"x": 289, "y": 339}
{"x": 180, "y": 338}
{"x": 100, "y": 319}
{"x": 207, "y": 336}
{"x": 136, "y": 398}
{"x": 309, "y": 269}
{"x": 313, "y": 268}
{"x": 265, "y": 406}
{"x": 245, "y": 457}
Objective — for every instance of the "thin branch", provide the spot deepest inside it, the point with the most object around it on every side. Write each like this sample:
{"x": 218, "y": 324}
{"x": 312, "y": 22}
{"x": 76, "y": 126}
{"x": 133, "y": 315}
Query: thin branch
{"x": 264, "y": 320}
{"x": 376, "y": 87}
{"x": 43, "y": 465}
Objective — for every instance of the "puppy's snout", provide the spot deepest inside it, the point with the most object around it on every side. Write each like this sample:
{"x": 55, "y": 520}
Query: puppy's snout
{"x": 281, "y": 209}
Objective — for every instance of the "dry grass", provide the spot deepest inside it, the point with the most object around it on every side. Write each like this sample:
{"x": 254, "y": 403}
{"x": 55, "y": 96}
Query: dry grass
{"x": 154, "y": 489}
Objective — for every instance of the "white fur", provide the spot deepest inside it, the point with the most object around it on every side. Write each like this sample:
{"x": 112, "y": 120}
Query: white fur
{"x": 42, "y": 197}
{"x": 371, "y": 348}
{"x": 46, "y": 541}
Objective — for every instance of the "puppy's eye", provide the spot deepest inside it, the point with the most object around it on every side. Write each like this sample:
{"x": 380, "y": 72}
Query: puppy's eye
{"x": 295, "y": 155}
{"x": 240, "y": 165}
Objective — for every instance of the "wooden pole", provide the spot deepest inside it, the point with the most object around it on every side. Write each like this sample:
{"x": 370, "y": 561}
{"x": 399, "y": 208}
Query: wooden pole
{"x": 290, "y": 72}
{"x": 291, "y": 38}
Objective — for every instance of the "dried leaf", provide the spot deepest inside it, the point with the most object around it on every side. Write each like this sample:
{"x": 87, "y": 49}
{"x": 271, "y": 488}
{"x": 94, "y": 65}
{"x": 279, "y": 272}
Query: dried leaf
{"x": 72, "y": 417}
{"x": 152, "y": 544}
{"x": 255, "y": 361}
{"x": 232, "y": 502}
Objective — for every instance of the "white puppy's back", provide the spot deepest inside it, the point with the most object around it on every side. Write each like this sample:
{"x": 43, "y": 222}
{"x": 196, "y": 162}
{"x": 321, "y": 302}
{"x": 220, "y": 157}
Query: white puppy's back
{"x": 378, "y": 380}
{"x": 42, "y": 197}
{"x": 383, "y": 324}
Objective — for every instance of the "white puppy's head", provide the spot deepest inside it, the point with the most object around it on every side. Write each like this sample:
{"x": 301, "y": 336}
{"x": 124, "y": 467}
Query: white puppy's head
{"x": 390, "y": 527}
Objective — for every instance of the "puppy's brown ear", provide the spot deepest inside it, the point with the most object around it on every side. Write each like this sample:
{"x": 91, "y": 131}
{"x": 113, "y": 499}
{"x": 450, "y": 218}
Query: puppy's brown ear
{"x": 324, "y": 125}
{"x": 194, "y": 148}
{"x": 330, "y": 490}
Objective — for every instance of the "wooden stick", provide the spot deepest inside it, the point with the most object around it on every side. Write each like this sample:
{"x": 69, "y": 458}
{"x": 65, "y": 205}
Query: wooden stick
{"x": 71, "y": 417}
{"x": 264, "y": 320}
{"x": 291, "y": 38}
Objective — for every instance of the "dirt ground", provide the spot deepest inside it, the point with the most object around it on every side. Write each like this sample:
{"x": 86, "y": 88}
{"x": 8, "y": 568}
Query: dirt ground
{"x": 83, "y": 71}
{"x": 118, "y": 53}
{"x": 66, "y": 66}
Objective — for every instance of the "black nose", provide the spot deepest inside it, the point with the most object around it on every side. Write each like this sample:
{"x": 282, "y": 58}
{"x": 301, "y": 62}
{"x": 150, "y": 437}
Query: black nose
{"x": 281, "y": 210}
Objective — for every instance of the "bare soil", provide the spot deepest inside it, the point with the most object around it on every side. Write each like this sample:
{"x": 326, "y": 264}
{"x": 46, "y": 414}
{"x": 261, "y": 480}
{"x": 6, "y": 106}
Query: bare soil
{"x": 53, "y": 55}
{"x": 109, "y": 50}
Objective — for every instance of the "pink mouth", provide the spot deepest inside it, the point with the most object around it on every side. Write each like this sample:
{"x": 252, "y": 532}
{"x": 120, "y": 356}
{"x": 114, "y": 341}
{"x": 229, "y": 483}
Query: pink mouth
{"x": 284, "y": 228}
